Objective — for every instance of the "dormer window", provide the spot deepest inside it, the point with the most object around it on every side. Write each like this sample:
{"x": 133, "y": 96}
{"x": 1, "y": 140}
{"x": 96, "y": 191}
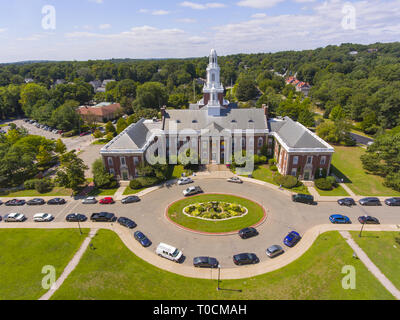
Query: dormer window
{"x": 194, "y": 121}
{"x": 178, "y": 121}
{"x": 251, "y": 121}
{"x": 234, "y": 121}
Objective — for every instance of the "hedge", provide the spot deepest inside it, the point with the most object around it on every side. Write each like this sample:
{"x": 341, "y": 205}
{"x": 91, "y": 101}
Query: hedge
{"x": 323, "y": 184}
{"x": 288, "y": 182}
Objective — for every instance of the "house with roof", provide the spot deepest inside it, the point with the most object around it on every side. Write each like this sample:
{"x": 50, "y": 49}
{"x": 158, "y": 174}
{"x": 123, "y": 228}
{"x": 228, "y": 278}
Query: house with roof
{"x": 303, "y": 87}
{"x": 215, "y": 129}
{"x": 102, "y": 112}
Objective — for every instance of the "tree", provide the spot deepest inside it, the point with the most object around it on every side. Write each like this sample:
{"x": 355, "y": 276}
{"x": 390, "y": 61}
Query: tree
{"x": 30, "y": 95}
{"x": 65, "y": 117}
{"x": 102, "y": 178}
{"x": 110, "y": 128}
{"x": 246, "y": 89}
{"x": 151, "y": 95}
{"x": 337, "y": 113}
{"x": 72, "y": 171}
{"x": 60, "y": 147}
{"x": 121, "y": 125}
{"x": 43, "y": 157}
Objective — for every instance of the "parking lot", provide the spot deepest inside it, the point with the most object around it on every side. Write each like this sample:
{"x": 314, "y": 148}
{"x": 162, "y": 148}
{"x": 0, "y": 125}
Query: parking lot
{"x": 283, "y": 216}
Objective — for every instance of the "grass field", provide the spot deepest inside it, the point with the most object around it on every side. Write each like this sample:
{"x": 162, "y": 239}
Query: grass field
{"x": 348, "y": 166}
{"x": 336, "y": 192}
{"x": 111, "y": 271}
{"x": 103, "y": 192}
{"x": 128, "y": 191}
{"x": 263, "y": 173}
{"x": 254, "y": 215}
{"x": 383, "y": 248}
{"x": 24, "y": 252}
{"x": 56, "y": 192}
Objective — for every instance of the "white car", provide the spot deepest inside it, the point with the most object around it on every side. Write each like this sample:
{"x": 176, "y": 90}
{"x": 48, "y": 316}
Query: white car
{"x": 42, "y": 217}
{"x": 89, "y": 200}
{"x": 184, "y": 180}
{"x": 192, "y": 191}
{"x": 14, "y": 217}
{"x": 235, "y": 180}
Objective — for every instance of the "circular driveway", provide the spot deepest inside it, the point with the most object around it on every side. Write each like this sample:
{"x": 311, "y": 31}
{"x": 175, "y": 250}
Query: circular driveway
{"x": 283, "y": 216}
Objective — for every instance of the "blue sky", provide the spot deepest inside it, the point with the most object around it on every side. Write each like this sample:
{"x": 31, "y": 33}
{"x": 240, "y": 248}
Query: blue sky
{"x": 103, "y": 29}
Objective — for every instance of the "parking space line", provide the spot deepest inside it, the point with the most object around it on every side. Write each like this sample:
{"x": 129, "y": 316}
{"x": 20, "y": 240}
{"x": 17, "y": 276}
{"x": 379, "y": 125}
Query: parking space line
{"x": 67, "y": 207}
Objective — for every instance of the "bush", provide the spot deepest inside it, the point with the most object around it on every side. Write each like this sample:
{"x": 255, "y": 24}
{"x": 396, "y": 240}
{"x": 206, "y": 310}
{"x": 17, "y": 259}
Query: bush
{"x": 287, "y": 182}
{"x": 332, "y": 180}
{"x": 148, "y": 181}
{"x": 98, "y": 134}
{"x": 30, "y": 184}
{"x": 323, "y": 184}
{"x": 135, "y": 184}
{"x": 259, "y": 159}
{"x": 272, "y": 162}
{"x": 273, "y": 168}
{"x": 44, "y": 185}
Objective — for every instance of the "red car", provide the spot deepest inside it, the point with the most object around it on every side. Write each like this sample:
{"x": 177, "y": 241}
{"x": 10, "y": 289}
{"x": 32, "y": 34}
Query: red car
{"x": 107, "y": 200}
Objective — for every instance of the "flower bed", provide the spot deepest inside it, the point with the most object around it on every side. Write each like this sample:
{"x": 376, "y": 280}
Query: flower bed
{"x": 215, "y": 210}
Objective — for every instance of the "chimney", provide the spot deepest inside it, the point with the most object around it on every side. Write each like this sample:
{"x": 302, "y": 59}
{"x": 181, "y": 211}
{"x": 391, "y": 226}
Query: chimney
{"x": 265, "y": 107}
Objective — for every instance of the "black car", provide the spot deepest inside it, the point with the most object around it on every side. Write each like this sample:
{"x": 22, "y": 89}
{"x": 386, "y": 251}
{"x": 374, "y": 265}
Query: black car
{"x": 205, "y": 262}
{"x": 36, "y": 202}
{"x": 347, "y": 202}
{"x": 395, "y": 202}
{"x": 303, "y": 198}
{"x": 245, "y": 258}
{"x": 370, "y": 201}
{"x": 15, "y": 202}
{"x": 103, "y": 217}
{"x": 142, "y": 239}
{"x": 76, "y": 217}
{"x": 368, "y": 220}
{"x": 127, "y": 222}
{"x": 57, "y": 201}
{"x": 248, "y": 233}
{"x": 130, "y": 199}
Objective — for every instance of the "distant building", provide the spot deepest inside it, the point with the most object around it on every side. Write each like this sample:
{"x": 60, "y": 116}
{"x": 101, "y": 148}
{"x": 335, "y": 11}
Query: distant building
{"x": 303, "y": 87}
{"x": 102, "y": 112}
{"x": 353, "y": 53}
{"x": 372, "y": 50}
{"x": 29, "y": 80}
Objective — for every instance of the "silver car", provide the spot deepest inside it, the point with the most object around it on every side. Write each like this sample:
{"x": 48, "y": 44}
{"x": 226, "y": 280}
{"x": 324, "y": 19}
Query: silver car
{"x": 235, "y": 180}
{"x": 14, "y": 217}
{"x": 274, "y": 251}
{"x": 89, "y": 200}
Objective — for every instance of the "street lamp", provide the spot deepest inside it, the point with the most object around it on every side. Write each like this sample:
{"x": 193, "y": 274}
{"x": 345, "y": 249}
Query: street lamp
{"x": 219, "y": 276}
{"x": 79, "y": 225}
{"x": 362, "y": 227}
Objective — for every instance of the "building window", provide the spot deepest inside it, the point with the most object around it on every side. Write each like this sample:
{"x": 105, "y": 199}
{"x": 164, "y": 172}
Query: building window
{"x": 110, "y": 162}
{"x": 323, "y": 160}
{"x": 260, "y": 142}
{"x": 123, "y": 161}
{"x": 294, "y": 172}
{"x": 213, "y": 77}
{"x": 112, "y": 171}
{"x": 243, "y": 142}
{"x": 309, "y": 160}
{"x": 135, "y": 161}
{"x": 295, "y": 160}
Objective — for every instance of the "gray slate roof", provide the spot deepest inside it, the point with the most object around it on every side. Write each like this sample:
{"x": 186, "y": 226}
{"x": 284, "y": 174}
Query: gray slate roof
{"x": 294, "y": 134}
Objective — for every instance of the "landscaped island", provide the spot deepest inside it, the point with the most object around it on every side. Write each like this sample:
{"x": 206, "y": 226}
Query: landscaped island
{"x": 215, "y": 210}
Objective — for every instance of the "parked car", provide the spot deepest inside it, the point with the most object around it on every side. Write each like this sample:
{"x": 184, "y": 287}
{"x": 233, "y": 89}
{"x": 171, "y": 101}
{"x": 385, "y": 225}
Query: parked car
{"x": 303, "y": 198}
{"x": 169, "y": 252}
{"x": 42, "y": 217}
{"x": 85, "y": 133}
{"x": 127, "y": 222}
{"x": 245, "y": 258}
{"x": 14, "y": 217}
{"x": 130, "y": 199}
{"x": 36, "y": 202}
{"x": 292, "y": 239}
{"x": 339, "y": 219}
{"x": 248, "y": 233}
{"x": 89, "y": 200}
{"x": 370, "y": 201}
{"x": 192, "y": 191}
{"x": 103, "y": 217}
{"x": 274, "y": 251}
{"x": 75, "y": 217}
{"x": 235, "y": 180}
{"x": 1, "y": 202}
{"x": 393, "y": 202}
{"x": 184, "y": 180}
{"x": 368, "y": 220}
{"x": 15, "y": 202}
{"x": 107, "y": 200}
{"x": 142, "y": 239}
{"x": 56, "y": 201}
{"x": 205, "y": 262}
{"x": 346, "y": 202}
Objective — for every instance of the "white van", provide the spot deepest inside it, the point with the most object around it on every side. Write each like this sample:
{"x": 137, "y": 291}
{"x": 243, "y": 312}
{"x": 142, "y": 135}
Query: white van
{"x": 169, "y": 252}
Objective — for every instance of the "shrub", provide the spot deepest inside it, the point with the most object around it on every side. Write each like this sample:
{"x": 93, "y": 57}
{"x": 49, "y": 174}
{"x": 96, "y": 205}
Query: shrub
{"x": 288, "y": 182}
{"x": 44, "y": 185}
{"x": 98, "y": 134}
{"x": 30, "y": 184}
{"x": 273, "y": 168}
{"x": 135, "y": 184}
{"x": 332, "y": 180}
{"x": 323, "y": 184}
{"x": 148, "y": 181}
{"x": 271, "y": 162}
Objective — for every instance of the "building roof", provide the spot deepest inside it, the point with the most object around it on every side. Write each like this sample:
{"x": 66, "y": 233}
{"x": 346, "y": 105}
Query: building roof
{"x": 294, "y": 135}
{"x": 100, "y": 109}
{"x": 230, "y": 118}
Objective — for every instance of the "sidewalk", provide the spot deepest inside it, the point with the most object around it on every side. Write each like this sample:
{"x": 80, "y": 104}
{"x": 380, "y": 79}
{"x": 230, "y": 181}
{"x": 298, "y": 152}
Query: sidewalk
{"x": 370, "y": 265}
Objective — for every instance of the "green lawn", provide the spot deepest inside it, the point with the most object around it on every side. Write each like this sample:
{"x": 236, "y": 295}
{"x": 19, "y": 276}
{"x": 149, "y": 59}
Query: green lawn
{"x": 103, "y": 192}
{"x": 128, "y": 191}
{"x": 347, "y": 165}
{"x": 263, "y": 173}
{"x": 254, "y": 215}
{"x": 111, "y": 271}
{"x": 383, "y": 248}
{"x": 336, "y": 192}
{"x": 24, "y": 252}
{"x": 56, "y": 192}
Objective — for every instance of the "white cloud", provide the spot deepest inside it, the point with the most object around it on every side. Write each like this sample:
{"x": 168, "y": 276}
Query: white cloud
{"x": 259, "y": 3}
{"x": 97, "y": 1}
{"x": 187, "y": 20}
{"x": 2, "y": 30}
{"x": 160, "y": 12}
{"x": 198, "y": 6}
{"x": 105, "y": 26}
{"x": 259, "y": 15}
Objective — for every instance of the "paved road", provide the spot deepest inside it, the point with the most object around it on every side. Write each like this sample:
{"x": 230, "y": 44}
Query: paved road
{"x": 283, "y": 216}
{"x": 361, "y": 139}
